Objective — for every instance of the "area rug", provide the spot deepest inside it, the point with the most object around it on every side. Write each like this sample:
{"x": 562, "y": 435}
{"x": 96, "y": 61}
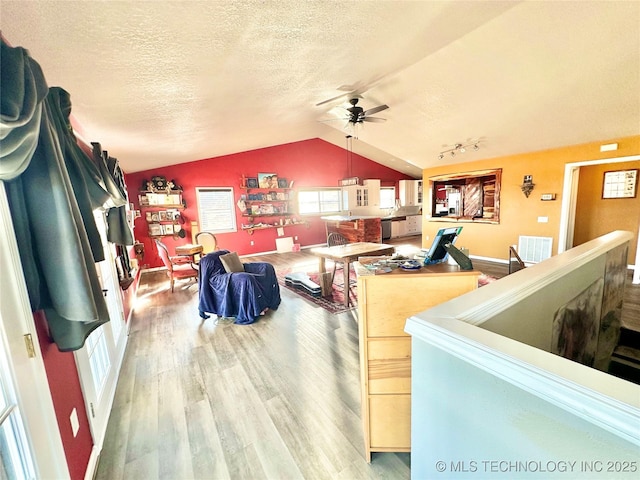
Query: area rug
{"x": 333, "y": 303}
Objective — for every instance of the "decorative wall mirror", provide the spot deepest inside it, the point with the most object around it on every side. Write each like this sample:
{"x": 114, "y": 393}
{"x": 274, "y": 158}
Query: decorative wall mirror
{"x": 471, "y": 196}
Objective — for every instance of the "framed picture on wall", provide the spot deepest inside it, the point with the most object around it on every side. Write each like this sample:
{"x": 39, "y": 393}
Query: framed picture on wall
{"x": 282, "y": 183}
{"x": 268, "y": 180}
{"x": 252, "y": 182}
{"x": 620, "y": 184}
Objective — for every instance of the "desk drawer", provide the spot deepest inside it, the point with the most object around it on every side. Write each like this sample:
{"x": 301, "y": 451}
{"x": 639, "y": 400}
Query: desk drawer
{"x": 389, "y": 365}
{"x": 390, "y": 421}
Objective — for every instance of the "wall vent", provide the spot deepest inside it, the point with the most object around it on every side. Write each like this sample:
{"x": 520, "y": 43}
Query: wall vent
{"x": 534, "y": 249}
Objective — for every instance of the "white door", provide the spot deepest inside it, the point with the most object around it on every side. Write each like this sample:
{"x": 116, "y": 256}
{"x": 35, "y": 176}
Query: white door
{"x": 100, "y": 359}
{"x": 30, "y": 443}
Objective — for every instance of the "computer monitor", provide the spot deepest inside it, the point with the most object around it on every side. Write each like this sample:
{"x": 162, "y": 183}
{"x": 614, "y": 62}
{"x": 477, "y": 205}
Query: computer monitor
{"x": 437, "y": 253}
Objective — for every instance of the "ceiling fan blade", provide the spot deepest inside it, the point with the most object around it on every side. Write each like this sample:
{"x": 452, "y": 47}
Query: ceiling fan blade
{"x": 346, "y": 94}
{"x": 333, "y": 119}
{"x": 374, "y": 119}
{"x": 377, "y": 109}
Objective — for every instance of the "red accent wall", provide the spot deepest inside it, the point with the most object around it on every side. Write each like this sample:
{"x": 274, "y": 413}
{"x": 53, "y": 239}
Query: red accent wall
{"x": 66, "y": 394}
{"x": 129, "y": 296}
{"x": 309, "y": 163}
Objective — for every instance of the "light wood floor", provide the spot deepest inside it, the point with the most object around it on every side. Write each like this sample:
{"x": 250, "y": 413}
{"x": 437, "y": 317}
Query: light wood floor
{"x": 278, "y": 399}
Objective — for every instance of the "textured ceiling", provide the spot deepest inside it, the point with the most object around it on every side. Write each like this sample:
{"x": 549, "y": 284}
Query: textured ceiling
{"x": 160, "y": 83}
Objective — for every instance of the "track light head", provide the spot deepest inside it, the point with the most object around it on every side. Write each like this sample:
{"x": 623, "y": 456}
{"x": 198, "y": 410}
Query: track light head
{"x": 459, "y": 148}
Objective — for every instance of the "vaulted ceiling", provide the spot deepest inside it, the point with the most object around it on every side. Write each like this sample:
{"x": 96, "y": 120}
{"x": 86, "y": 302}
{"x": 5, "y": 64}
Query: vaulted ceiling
{"x": 159, "y": 83}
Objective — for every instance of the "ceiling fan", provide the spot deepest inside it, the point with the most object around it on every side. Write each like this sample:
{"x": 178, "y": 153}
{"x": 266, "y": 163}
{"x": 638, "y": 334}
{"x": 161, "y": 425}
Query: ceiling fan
{"x": 357, "y": 114}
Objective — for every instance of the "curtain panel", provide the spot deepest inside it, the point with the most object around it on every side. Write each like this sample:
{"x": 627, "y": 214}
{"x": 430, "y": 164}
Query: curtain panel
{"x": 52, "y": 189}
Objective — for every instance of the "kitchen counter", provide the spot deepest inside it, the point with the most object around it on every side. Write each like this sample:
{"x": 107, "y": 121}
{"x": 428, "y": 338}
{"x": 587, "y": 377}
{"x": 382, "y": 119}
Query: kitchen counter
{"x": 355, "y": 228}
{"x": 348, "y": 218}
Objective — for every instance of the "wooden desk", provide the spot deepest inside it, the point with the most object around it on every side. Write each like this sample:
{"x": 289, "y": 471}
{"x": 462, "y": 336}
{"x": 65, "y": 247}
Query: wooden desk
{"x": 385, "y": 301}
{"x": 347, "y": 254}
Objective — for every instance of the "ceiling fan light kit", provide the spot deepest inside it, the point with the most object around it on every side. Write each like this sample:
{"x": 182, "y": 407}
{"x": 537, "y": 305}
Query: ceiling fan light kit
{"x": 358, "y": 115}
{"x": 459, "y": 148}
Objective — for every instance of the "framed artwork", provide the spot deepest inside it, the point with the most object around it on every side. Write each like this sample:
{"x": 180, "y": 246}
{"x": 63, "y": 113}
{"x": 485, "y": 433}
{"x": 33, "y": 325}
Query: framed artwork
{"x": 268, "y": 180}
{"x": 282, "y": 183}
{"x": 252, "y": 182}
{"x": 620, "y": 184}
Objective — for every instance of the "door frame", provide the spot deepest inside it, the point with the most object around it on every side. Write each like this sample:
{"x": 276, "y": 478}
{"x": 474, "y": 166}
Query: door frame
{"x": 98, "y": 404}
{"x": 28, "y": 374}
{"x": 570, "y": 199}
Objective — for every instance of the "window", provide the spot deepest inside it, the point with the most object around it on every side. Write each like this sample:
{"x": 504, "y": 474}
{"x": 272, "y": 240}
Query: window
{"x": 319, "y": 200}
{"x": 215, "y": 209}
{"x": 387, "y": 197}
{"x": 15, "y": 456}
{"x": 472, "y": 196}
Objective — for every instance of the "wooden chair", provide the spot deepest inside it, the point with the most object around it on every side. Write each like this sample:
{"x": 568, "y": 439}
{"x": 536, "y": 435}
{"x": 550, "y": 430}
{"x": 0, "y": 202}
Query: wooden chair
{"x": 178, "y": 267}
{"x": 208, "y": 242}
{"x": 332, "y": 240}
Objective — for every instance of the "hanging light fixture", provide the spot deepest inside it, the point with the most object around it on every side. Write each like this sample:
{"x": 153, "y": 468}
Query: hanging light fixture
{"x": 459, "y": 148}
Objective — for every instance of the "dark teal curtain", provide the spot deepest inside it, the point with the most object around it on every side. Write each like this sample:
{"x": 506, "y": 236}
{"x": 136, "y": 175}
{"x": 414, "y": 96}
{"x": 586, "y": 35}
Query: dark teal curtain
{"x": 52, "y": 188}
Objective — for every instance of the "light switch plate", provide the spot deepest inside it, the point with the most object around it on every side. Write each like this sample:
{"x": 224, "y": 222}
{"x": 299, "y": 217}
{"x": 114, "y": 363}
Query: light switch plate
{"x": 543, "y": 219}
{"x": 548, "y": 196}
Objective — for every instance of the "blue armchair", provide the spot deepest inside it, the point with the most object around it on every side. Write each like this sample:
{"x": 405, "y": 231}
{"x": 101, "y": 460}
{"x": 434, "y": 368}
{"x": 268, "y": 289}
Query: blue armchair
{"x": 242, "y": 295}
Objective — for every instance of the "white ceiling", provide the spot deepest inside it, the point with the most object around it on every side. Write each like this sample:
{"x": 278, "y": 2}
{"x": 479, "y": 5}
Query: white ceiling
{"x": 159, "y": 83}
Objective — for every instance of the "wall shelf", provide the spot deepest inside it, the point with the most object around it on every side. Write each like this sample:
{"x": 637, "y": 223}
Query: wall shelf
{"x": 262, "y": 202}
{"x": 161, "y": 207}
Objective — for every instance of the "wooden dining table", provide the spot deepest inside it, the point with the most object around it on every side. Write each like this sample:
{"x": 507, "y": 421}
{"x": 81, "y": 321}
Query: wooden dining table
{"x": 347, "y": 254}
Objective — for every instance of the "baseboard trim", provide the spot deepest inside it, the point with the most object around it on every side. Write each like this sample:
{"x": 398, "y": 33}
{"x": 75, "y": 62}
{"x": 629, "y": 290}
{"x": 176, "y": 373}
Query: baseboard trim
{"x": 92, "y": 466}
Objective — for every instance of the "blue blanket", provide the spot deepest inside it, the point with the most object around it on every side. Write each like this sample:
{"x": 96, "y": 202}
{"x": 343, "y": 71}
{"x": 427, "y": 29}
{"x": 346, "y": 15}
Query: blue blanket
{"x": 242, "y": 295}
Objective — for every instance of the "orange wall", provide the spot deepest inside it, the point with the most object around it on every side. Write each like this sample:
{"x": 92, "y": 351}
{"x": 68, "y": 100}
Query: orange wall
{"x": 519, "y": 214}
{"x": 599, "y": 216}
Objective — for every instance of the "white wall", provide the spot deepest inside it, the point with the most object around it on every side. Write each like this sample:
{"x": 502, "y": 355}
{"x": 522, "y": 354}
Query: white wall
{"x": 480, "y": 398}
{"x": 471, "y": 420}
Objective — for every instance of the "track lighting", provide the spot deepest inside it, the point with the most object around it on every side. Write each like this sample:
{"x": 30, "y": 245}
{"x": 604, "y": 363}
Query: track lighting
{"x": 459, "y": 148}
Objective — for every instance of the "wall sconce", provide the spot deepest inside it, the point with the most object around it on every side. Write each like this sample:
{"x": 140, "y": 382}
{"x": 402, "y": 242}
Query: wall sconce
{"x": 527, "y": 185}
{"x": 459, "y": 148}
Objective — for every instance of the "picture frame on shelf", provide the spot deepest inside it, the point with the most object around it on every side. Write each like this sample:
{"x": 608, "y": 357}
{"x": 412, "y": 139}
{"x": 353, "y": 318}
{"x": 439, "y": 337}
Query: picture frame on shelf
{"x": 268, "y": 180}
{"x": 283, "y": 183}
{"x": 155, "y": 229}
{"x": 252, "y": 182}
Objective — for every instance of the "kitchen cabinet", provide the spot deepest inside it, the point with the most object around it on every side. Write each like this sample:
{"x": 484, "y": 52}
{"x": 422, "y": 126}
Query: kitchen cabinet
{"x": 358, "y": 196}
{"x": 414, "y": 225}
{"x": 385, "y": 302}
{"x": 398, "y": 228}
{"x": 410, "y": 193}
